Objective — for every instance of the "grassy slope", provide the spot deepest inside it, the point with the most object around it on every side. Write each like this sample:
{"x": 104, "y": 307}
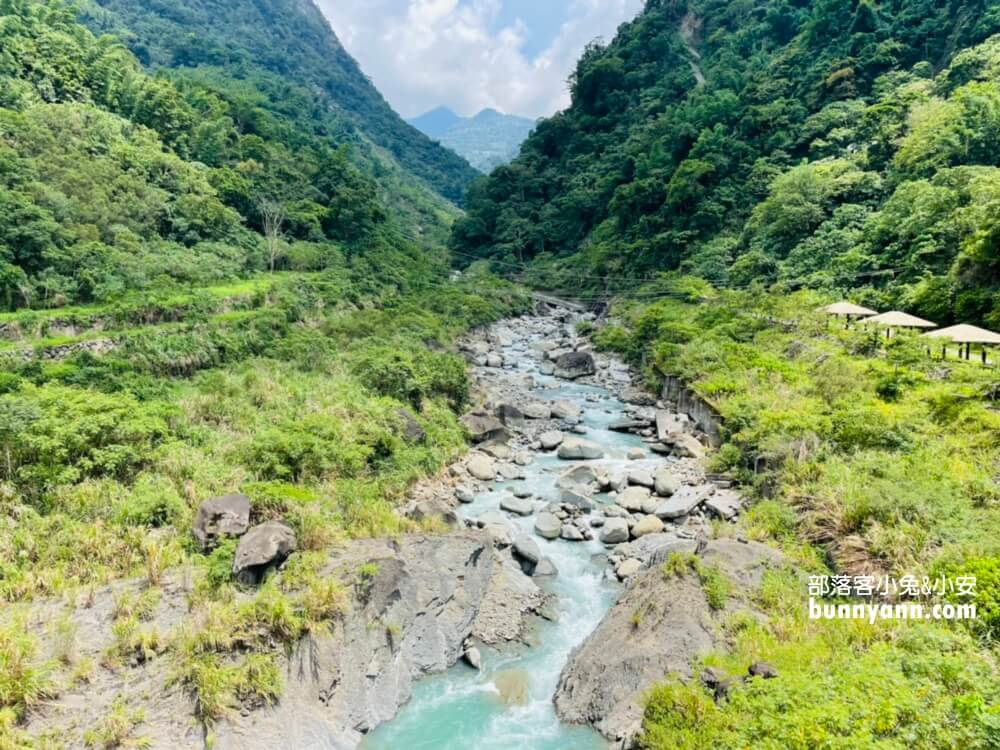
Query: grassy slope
{"x": 863, "y": 459}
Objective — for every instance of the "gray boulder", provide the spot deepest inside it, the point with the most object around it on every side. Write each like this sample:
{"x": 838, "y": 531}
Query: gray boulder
{"x": 640, "y": 477}
{"x": 481, "y": 466}
{"x": 576, "y": 449}
{"x": 684, "y": 501}
{"x": 687, "y": 446}
{"x": 551, "y": 440}
{"x": 576, "y": 499}
{"x": 669, "y": 424}
{"x": 473, "y": 658}
{"x": 263, "y": 547}
{"x": 545, "y": 569}
{"x": 527, "y": 550}
{"x": 571, "y": 533}
{"x": 221, "y": 517}
{"x": 614, "y": 531}
{"x": 547, "y": 525}
{"x": 565, "y": 410}
{"x": 537, "y": 410}
{"x": 482, "y": 427}
{"x": 510, "y": 415}
{"x": 573, "y": 365}
{"x": 633, "y": 499}
{"x": 666, "y": 483}
{"x": 517, "y": 506}
{"x": 726, "y": 504}
{"x": 647, "y": 525}
{"x": 578, "y": 477}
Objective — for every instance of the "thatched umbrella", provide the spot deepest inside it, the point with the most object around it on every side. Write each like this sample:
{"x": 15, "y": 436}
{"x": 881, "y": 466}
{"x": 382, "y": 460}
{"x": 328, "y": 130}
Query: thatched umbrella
{"x": 897, "y": 319}
{"x": 967, "y": 335}
{"x": 846, "y": 310}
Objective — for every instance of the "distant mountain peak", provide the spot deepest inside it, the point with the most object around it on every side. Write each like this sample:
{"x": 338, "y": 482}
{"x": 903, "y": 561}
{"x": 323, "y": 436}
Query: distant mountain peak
{"x": 487, "y": 139}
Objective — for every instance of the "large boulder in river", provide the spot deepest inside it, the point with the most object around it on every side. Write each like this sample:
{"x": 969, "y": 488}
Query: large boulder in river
{"x": 607, "y": 676}
{"x": 263, "y": 547}
{"x": 551, "y": 440}
{"x": 537, "y": 410}
{"x": 510, "y": 415}
{"x": 614, "y": 531}
{"x": 633, "y": 499}
{"x": 573, "y": 365}
{"x": 547, "y": 525}
{"x": 666, "y": 483}
{"x": 565, "y": 410}
{"x": 220, "y": 517}
{"x": 575, "y": 449}
{"x": 481, "y": 467}
{"x": 483, "y": 427}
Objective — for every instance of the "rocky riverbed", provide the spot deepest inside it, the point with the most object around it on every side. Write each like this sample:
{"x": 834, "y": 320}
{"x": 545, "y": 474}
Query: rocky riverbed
{"x": 580, "y": 484}
{"x": 588, "y": 482}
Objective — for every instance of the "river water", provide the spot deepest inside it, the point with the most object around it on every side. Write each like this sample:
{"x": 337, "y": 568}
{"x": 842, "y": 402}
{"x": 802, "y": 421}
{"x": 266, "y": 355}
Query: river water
{"x": 462, "y": 709}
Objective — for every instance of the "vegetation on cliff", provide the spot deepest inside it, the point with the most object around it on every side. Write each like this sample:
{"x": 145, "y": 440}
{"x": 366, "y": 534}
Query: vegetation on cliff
{"x": 836, "y": 145}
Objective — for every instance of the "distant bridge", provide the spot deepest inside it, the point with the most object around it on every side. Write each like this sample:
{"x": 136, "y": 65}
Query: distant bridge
{"x": 558, "y": 302}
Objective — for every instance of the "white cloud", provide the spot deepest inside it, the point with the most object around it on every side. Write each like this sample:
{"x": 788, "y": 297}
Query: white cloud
{"x": 424, "y": 53}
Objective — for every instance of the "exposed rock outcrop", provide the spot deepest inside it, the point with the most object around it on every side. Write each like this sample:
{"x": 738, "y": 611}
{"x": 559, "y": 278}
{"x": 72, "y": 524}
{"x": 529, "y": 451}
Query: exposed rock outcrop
{"x": 660, "y": 625}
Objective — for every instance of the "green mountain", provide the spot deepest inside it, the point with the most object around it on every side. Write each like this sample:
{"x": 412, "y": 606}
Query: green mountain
{"x": 114, "y": 180}
{"x": 841, "y": 144}
{"x": 487, "y": 140}
{"x": 279, "y": 46}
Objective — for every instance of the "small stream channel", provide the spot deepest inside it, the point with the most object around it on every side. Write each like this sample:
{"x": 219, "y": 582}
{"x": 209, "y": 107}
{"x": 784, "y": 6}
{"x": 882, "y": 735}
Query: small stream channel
{"x": 462, "y": 709}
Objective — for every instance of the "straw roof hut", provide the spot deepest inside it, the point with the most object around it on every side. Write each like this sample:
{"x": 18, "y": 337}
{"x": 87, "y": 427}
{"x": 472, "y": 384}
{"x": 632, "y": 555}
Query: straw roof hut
{"x": 847, "y": 309}
{"x": 897, "y": 319}
{"x": 965, "y": 335}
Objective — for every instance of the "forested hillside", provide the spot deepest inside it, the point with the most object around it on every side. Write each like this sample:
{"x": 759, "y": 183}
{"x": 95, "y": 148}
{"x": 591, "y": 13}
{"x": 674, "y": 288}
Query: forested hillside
{"x": 114, "y": 181}
{"x": 841, "y": 144}
{"x": 284, "y": 54}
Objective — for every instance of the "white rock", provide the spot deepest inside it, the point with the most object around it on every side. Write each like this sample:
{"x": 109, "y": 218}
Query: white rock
{"x": 481, "y": 467}
{"x": 575, "y": 449}
{"x": 647, "y": 525}
{"x": 628, "y": 568}
{"x": 615, "y": 531}
{"x": 633, "y": 498}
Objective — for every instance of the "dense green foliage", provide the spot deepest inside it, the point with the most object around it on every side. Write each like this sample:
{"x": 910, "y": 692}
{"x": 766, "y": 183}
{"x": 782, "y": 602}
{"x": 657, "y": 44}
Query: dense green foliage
{"x": 284, "y": 53}
{"x": 841, "y": 144}
{"x": 863, "y": 457}
{"x": 112, "y": 180}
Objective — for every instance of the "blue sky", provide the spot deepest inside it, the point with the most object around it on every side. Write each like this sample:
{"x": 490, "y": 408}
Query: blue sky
{"x": 513, "y": 55}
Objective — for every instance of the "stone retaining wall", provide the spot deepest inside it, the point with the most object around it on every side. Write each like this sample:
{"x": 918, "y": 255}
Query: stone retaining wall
{"x": 702, "y": 413}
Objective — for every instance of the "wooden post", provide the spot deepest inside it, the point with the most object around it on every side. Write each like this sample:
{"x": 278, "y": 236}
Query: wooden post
{"x": 944, "y": 352}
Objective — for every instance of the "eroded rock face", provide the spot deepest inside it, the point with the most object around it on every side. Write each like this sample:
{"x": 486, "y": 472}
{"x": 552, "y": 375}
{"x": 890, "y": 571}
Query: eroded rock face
{"x": 429, "y": 598}
{"x": 221, "y": 517}
{"x": 603, "y": 683}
